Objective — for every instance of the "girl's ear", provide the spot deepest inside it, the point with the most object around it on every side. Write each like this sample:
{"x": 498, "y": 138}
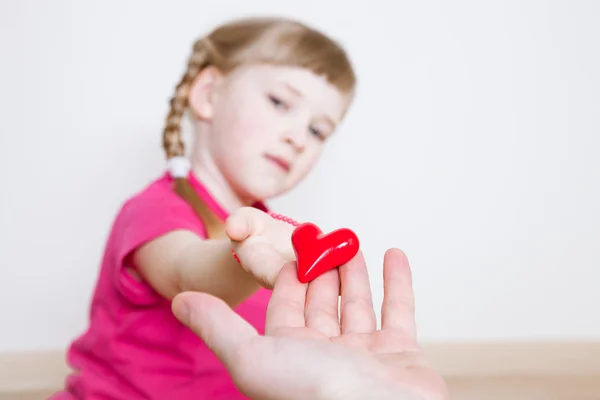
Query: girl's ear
{"x": 201, "y": 96}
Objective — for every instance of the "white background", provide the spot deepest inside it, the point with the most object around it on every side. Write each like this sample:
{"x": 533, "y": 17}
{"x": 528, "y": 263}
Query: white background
{"x": 477, "y": 129}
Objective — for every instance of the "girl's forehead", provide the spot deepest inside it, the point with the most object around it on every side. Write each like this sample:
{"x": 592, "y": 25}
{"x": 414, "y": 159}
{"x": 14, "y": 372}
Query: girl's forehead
{"x": 299, "y": 82}
{"x": 280, "y": 74}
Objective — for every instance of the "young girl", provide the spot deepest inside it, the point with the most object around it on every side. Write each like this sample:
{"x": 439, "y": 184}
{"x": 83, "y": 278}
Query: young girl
{"x": 264, "y": 96}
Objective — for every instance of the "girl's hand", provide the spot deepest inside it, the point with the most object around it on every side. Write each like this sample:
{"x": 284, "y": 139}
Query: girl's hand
{"x": 309, "y": 351}
{"x": 262, "y": 244}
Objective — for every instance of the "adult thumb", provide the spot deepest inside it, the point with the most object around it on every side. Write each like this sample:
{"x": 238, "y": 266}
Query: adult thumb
{"x": 221, "y": 328}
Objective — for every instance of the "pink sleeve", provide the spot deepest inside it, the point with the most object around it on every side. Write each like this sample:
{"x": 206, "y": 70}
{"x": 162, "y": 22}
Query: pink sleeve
{"x": 141, "y": 221}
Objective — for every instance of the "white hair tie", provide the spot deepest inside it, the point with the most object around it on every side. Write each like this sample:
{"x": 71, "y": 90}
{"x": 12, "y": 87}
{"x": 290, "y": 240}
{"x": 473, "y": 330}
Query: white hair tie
{"x": 179, "y": 166}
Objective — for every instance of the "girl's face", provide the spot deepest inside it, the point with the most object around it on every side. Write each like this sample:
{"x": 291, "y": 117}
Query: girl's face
{"x": 267, "y": 125}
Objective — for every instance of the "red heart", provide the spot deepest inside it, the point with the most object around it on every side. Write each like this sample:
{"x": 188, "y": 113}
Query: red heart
{"x": 317, "y": 253}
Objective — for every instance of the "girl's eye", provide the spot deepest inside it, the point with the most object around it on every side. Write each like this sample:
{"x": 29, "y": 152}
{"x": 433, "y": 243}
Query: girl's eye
{"x": 278, "y": 103}
{"x": 317, "y": 133}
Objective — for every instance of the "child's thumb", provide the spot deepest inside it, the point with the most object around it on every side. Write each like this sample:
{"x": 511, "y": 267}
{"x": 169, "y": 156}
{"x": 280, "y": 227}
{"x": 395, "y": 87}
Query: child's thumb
{"x": 243, "y": 223}
{"x": 209, "y": 317}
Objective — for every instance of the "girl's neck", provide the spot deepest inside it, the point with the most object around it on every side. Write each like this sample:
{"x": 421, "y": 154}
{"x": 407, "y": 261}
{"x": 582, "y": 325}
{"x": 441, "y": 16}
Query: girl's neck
{"x": 214, "y": 182}
{"x": 206, "y": 170}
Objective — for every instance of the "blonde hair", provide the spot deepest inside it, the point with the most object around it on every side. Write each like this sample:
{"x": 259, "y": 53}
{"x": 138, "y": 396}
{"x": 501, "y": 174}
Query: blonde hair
{"x": 275, "y": 41}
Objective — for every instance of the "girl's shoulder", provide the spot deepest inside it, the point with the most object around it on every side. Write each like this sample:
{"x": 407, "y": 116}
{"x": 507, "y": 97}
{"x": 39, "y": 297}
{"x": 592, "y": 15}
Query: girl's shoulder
{"x": 157, "y": 200}
{"x": 153, "y": 211}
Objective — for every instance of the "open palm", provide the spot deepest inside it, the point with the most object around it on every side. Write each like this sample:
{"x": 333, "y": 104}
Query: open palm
{"x": 312, "y": 351}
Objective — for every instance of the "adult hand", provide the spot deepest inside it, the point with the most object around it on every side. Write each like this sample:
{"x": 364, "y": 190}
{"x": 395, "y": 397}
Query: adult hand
{"x": 307, "y": 352}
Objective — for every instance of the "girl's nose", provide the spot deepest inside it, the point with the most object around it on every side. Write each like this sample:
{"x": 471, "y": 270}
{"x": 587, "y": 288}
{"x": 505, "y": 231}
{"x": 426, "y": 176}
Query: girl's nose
{"x": 297, "y": 138}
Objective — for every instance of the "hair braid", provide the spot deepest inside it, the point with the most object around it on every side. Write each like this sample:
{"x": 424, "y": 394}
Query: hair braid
{"x": 173, "y": 142}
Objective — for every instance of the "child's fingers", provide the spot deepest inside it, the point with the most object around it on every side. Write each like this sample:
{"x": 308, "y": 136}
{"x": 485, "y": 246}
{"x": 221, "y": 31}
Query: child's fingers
{"x": 223, "y": 331}
{"x": 260, "y": 258}
{"x": 243, "y": 223}
{"x": 286, "y": 307}
{"x": 398, "y": 307}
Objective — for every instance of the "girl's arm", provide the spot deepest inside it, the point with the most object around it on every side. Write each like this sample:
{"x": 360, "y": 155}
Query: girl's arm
{"x": 182, "y": 261}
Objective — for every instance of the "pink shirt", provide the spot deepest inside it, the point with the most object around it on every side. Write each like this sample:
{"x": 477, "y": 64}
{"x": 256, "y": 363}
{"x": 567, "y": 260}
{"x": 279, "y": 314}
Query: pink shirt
{"x": 134, "y": 347}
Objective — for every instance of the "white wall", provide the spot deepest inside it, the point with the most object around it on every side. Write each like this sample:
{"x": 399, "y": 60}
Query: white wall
{"x": 477, "y": 126}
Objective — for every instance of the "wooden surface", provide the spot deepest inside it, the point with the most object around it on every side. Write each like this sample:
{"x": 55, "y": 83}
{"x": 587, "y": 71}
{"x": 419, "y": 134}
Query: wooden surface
{"x": 499, "y": 388}
{"x": 474, "y": 371}
{"x": 526, "y": 388}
